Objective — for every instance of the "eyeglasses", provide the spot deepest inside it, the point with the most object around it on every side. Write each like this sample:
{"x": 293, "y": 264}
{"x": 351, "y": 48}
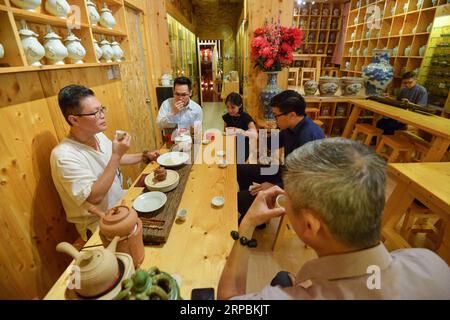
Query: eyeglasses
{"x": 102, "y": 110}
{"x": 281, "y": 114}
{"x": 181, "y": 94}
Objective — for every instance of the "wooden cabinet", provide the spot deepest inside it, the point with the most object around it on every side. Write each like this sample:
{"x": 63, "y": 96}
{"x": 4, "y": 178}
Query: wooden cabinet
{"x": 14, "y": 59}
{"x": 321, "y": 23}
{"x": 397, "y": 25}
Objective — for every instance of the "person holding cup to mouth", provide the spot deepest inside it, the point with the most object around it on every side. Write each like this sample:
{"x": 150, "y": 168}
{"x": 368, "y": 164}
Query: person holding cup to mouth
{"x": 86, "y": 165}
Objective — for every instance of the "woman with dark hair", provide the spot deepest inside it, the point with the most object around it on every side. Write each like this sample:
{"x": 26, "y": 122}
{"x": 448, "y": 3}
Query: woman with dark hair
{"x": 239, "y": 122}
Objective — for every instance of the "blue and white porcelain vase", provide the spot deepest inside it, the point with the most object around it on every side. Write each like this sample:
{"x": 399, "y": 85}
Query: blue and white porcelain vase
{"x": 268, "y": 92}
{"x": 378, "y": 74}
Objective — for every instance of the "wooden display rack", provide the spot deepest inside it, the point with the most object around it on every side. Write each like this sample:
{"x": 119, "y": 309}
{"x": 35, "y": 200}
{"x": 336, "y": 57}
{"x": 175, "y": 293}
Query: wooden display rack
{"x": 393, "y": 29}
{"x": 304, "y": 19}
{"x": 15, "y": 60}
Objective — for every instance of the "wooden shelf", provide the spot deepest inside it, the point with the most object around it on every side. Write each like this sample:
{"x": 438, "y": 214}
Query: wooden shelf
{"x": 41, "y": 18}
{"x": 111, "y": 32}
{"x": 57, "y": 67}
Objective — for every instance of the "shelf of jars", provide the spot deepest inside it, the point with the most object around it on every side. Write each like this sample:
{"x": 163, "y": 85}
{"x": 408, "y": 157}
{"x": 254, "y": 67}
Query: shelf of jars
{"x": 320, "y": 23}
{"x": 48, "y": 35}
{"x": 435, "y": 69}
{"x": 402, "y": 26}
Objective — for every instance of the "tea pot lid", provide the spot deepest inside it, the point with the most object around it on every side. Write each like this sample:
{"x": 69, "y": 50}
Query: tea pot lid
{"x": 114, "y": 42}
{"x": 25, "y": 31}
{"x": 105, "y": 8}
{"x": 90, "y": 3}
{"x": 51, "y": 34}
{"x": 105, "y": 42}
{"x": 71, "y": 37}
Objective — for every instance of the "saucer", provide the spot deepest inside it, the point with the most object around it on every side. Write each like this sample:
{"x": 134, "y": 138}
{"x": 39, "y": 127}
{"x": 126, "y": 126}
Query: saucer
{"x": 218, "y": 201}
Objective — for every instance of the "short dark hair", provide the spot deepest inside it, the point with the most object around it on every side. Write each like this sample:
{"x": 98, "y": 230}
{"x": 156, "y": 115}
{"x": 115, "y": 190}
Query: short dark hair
{"x": 236, "y": 99}
{"x": 288, "y": 101}
{"x": 183, "y": 81}
{"x": 409, "y": 75}
{"x": 69, "y": 99}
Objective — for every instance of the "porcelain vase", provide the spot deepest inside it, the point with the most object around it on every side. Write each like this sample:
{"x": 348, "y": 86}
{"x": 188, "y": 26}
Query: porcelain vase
{"x": 117, "y": 50}
{"x": 75, "y": 49}
{"x": 2, "y": 51}
{"x": 58, "y": 8}
{"x": 328, "y": 86}
{"x": 33, "y": 49}
{"x": 350, "y": 86}
{"x": 268, "y": 92}
{"x": 310, "y": 87}
{"x": 107, "y": 20}
{"x": 107, "y": 51}
{"x": 379, "y": 73}
{"x": 98, "y": 50}
{"x": 55, "y": 51}
{"x": 94, "y": 16}
{"x": 29, "y": 5}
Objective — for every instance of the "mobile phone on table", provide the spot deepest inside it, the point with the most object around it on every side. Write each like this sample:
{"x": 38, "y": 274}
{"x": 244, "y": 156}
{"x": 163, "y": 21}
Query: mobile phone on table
{"x": 202, "y": 294}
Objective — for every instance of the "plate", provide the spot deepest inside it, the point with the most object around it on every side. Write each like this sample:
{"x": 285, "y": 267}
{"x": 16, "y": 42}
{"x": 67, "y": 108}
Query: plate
{"x": 170, "y": 183}
{"x": 172, "y": 159}
{"x": 218, "y": 201}
{"x": 149, "y": 201}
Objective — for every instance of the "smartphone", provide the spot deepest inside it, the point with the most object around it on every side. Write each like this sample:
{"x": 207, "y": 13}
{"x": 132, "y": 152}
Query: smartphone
{"x": 202, "y": 294}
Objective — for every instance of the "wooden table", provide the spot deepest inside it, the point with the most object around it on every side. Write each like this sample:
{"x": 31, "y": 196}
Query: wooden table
{"x": 427, "y": 182}
{"x": 196, "y": 249}
{"x": 311, "y": 57}
{"x": 437, "y": 126}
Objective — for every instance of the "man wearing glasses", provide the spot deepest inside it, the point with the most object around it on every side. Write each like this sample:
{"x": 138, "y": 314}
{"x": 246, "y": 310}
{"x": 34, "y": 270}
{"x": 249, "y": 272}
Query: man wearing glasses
{"x": 411, "y": 92}
{"x": 86, "y": 165}
{"x": 179, "y": 110}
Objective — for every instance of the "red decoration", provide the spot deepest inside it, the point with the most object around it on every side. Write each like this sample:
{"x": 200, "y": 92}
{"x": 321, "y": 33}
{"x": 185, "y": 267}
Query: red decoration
{"x": 273, "y": 46}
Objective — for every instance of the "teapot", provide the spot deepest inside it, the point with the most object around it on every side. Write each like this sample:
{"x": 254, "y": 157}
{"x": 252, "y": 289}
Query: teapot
{"x": 117, "y": 50}
{"x": 407, "y": 50}
{"x": 123, "y": 223}
{"x": 34, "y": 51}
{"x": 55, "y": 51}
{"x": 94, "y": 16}
{"x": 107, "y": 20}
{"x": 98, "y": 50}
{"x": 107, "y": 51}
{"x": 58, "y": 8}
{"x": 422, "y": 50}
{"x": 99, "y": 268}
{"x": 29, "y": 5}
{"x": 75, "y": 49}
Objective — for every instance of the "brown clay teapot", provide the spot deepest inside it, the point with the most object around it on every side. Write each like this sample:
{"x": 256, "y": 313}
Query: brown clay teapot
{"x": 99, "y": 268}
{"x": 122, "y": 221}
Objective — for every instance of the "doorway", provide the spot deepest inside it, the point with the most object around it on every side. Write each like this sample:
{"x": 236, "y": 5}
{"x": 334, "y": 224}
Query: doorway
{"x": 209, "y": 57}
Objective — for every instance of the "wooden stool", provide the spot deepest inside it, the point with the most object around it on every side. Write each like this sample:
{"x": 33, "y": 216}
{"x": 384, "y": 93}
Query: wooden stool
{"x": 420, "y": 219}
{"x": 368, "y": 130}
{"x": 421, "y": 146}
{"x": 295, "y": 72}
{"x": 311, "y": 71}
{"x": 400, "y": 148}
{"x": 331, "y": 72}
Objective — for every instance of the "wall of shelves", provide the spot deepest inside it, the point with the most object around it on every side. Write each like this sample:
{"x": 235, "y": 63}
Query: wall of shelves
{"x": 397, "y": 25}
{"x": 321, "y": 24}
{"x": 14, "y": 59}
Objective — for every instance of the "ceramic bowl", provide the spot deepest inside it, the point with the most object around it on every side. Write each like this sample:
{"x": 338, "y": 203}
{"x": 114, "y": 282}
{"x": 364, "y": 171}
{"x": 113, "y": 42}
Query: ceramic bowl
{"x": 220, "y": 153}
{"x": 120, "y": 134}
{"x": 222, "y": 164}
{"x": 149, "y": 201}
{"x": 182, "y": 214}
{"x": 172, "y": 159}
{"x": 218, "y": 201}
{"x": 205, "y": 141}
{"x": 280, "y": 201}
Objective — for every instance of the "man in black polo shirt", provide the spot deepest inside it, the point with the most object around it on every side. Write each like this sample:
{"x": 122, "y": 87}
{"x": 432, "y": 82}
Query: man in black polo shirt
{"x": 296, "y": 129}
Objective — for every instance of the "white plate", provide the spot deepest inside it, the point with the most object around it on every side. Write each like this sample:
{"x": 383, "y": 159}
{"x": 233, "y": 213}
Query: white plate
{"x": 170, "y": 183}
{"x": 149, "y": 201}
{"x": 220, "y": 153}
{"x": 218, "y": 201}
{"x": 172, "y": 159}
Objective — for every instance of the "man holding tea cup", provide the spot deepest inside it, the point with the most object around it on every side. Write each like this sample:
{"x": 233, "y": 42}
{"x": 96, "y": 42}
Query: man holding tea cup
{"x": 86, "y": 165}
{"x": 179, "y": 111}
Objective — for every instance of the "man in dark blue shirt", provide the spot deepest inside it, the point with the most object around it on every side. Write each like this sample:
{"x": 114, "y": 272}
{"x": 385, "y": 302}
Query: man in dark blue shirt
{"x": 296, "y": 129}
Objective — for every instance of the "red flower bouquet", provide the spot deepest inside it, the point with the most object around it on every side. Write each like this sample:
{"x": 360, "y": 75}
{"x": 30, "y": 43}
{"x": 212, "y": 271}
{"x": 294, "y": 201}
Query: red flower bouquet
{"x": 273, "y": 45}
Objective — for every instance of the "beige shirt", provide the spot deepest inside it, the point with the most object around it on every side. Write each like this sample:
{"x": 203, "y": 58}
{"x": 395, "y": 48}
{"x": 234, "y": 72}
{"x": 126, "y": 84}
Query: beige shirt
{"x": 368, "y": 274}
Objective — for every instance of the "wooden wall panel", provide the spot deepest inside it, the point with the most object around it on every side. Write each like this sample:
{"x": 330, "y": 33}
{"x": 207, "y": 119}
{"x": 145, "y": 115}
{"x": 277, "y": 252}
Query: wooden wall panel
{"x": 31, "y": 214}
{"x": 258, "y": 12}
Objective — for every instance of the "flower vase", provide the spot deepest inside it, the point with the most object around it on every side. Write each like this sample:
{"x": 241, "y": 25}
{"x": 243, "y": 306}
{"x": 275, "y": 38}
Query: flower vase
{"x": 379, "y": 73}
{"x": 268, "y": 92}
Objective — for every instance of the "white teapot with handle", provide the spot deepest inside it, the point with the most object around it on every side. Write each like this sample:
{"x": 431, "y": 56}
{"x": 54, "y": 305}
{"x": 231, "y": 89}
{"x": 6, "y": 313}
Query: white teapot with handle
{"x": 75, "y": 49}
{"x": 94, "y": 16}
{"x": 55, "y": 51}
{"x": 107, "y": 20}
{"x": 34, "y": 51}
{"x": 58, "y": 8}
{"x": 29, "y": 5}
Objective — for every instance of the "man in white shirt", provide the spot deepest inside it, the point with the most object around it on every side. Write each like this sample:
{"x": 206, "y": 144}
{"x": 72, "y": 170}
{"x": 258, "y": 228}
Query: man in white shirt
{"x": 179, "y": 111}
{"x": 335, "y": 195}
{"x": 86, "y": 165}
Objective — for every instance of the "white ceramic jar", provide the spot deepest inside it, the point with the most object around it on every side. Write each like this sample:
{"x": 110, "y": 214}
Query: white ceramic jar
{"x": 34, "y": 51}
{"x": 107, "y": 20}
{"x": 55, "y": 51}
{"x": 422, "y": 50}
{"x": 117, "y": 50}
{"x": 29, "y": 5}
{"x": 75, "y": 49}
{"x": 94, "y": 16}
{"x": 107, "y": 51}
{"x": 58, "y": 8}
{"x": 407, "y": 50}
{"x": 2, "y": 51}
{"x": 98, "y": 50}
